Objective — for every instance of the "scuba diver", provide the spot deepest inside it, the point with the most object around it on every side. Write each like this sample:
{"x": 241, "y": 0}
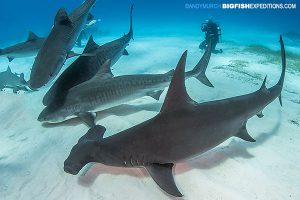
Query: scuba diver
{"x": 212, "y": 32}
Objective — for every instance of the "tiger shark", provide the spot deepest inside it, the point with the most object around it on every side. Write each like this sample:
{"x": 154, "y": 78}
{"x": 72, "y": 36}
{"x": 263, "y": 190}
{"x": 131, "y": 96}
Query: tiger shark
{"x": 24, "y": 49}
{"x": 105, "y": 91}
{"x": 57, "y": 46}
{"x": 85, "y": 67}
{"x": 183, "y": 129}
{"x": 13, "y": 81}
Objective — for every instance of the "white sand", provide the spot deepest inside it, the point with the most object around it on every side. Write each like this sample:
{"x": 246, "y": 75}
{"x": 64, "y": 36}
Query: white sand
{"x": 32, "y": 156}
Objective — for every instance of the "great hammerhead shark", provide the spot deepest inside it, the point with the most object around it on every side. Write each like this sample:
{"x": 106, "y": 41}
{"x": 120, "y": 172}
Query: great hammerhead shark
{"x": 183, "y": 129}
{"x": 57, "y": 46}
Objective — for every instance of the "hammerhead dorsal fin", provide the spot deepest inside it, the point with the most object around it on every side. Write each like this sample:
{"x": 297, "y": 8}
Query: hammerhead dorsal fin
{"x": 162, "y": 174}
{"x": 177, "y": 96}
{"x": 94, "y": 134}
{"x": 105, "y": 70}
{"x": 32, "y": 36}
{"x": 62, "y": 17}
{"x": 91, "y": 45}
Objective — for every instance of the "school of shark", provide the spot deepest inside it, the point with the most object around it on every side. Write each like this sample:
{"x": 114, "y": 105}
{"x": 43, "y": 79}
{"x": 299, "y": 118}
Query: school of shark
{"x": 181, "y": 130}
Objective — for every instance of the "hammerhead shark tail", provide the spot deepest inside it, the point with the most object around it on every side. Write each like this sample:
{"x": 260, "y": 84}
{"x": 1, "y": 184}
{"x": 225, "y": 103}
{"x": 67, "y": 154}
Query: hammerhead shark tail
{"x": 283, "y": 58}
{"x": 199, "y": 70}
{"x": 131, "y": 26}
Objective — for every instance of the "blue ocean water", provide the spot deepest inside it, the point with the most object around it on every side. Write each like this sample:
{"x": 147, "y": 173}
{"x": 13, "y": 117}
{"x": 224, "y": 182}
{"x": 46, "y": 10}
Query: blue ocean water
{"x": 152, "y": 17}
{"x": 32, "y": 154}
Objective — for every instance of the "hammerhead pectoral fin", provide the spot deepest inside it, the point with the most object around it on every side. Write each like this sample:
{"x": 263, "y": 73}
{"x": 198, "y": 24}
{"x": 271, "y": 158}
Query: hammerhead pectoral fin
{"x": 88, "y": 118}
{"x": 125, "y": 52}
{"x": 260, "y": 114}
{"x": 244, "y": 135}
{"x": 163, "y": 176}
{"x": 155, "y": 94}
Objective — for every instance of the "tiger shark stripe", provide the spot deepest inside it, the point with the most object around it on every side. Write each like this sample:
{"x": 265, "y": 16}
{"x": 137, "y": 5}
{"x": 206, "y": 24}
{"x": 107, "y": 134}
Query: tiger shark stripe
{"x": 182, "y": 130}
{"x": 104, "y": 91}
{"x": 57, "y": 47}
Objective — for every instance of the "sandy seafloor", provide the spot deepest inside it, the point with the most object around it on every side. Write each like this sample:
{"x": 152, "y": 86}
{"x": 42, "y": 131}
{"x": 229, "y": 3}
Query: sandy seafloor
{"x": 32, "y": 154}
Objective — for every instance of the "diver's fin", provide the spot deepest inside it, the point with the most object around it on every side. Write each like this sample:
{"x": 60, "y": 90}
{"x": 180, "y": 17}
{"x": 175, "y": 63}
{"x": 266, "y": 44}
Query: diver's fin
{"x": 32, "y": 37}
{"x": 88, "y": 118}
{"x": 243, "y": 134}
{"x": 10, "y": 58}
{"x": 162, "y": 174}
{"x": 62, "y": 18}
{"x": 125, "y": 52}
{"x": 177, "y": 97}
{"x": 260, "y": 114}
{"x": 94, "y": 134}
{"x": 155, "y": 94}
{"x": 91, "y": 45}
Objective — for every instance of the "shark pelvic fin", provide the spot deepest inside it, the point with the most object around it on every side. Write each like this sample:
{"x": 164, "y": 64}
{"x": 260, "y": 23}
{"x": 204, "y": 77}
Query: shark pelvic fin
{"x": 62, "y": 18}
{"x": 125, "y": 52}
{"x": 94, "y": 134}
{"x": 91, "y": 45}
{"x": 10, "y": 58}
{"x": 162, "y": 174}
{"x": 260, "y": 114}
{"x": 155, "y": 94}
{"x": 177, "y": 97}
{"x": 88, "y": 118}
{"x": 244, "y": 135}
{"x": 32, "y": 37}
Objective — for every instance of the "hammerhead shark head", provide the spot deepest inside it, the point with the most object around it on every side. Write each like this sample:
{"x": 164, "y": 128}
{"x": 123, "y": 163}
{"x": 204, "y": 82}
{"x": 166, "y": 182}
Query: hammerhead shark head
{"x": 25, "y": 49}
{"x": 12, "y": 81}
{"x": 85, "y": 67}
{"x": 105, "y": 91}
{"x": 183, "y": 129}
{"x": 58, "y": 45}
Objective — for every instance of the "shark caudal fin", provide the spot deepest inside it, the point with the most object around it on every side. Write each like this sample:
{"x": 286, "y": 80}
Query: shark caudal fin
{"x": 200, "y": 69}
{"x": 283, "y": 60}
{"x": 130, "y": 33}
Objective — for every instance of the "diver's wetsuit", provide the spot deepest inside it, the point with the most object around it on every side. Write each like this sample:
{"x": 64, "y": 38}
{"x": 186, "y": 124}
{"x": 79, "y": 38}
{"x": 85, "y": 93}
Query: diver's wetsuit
{"x": 213, "y": 32}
